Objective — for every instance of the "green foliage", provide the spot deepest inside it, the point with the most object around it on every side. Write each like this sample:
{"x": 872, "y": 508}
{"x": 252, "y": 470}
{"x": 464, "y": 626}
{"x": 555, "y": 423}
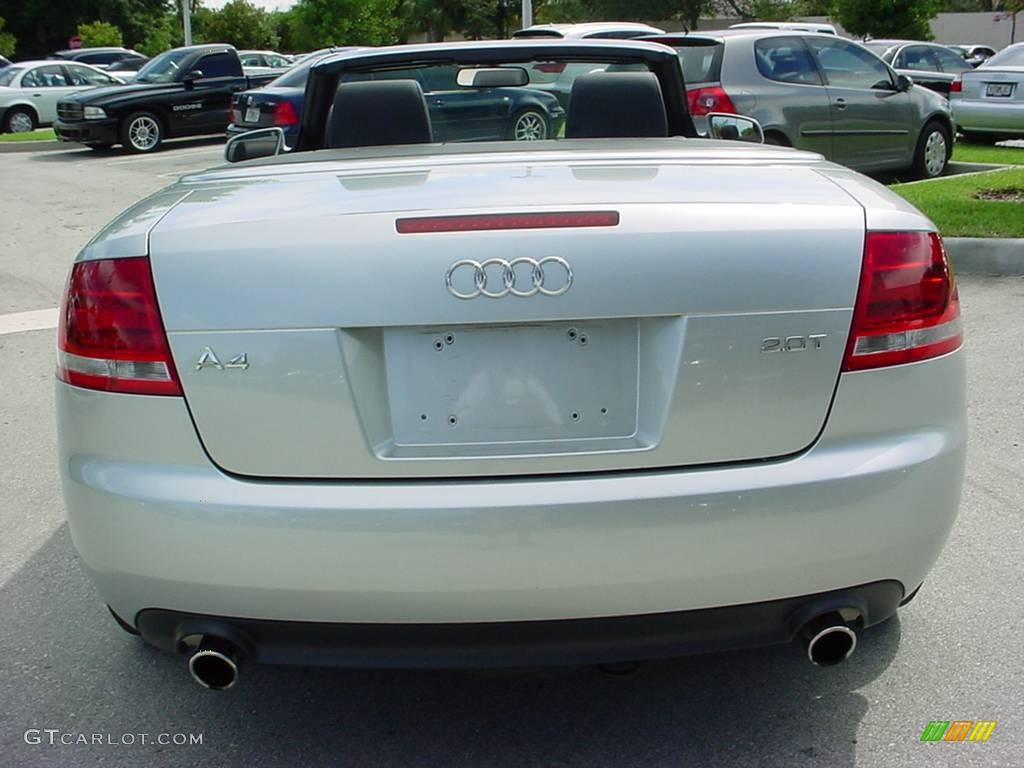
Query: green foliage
{"x": 44, "y": 26}
{"x": 887, "y": 18}
{"x": 99, "y": 33}
{"x": 239, "y": 22}
{"x": 313, "y": 24}
{"x": 165, "y": 33}
{"x": 7, "y": 41}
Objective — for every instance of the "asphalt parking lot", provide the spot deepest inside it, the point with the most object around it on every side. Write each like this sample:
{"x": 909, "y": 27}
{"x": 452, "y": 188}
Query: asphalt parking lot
{"x": 954, "y": 654}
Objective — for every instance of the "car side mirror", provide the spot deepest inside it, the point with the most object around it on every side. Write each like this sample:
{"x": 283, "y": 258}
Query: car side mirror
{"x": 266, "y": 142}
{"x": 191, "y": 77}
{"x": 904, "y": 83}
{"x": 734, "y": 128}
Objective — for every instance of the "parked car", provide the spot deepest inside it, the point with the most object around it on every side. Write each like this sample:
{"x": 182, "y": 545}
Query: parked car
{"x": 127, "y": 69}
{"x": 792, "y": 26}
{"x": 975, "y": 55}
{"x": 101, "y": 57}
{"x": 627, "y": 394}
{"x": 457, "y": 113}
{"x": 181, "y": 92}
{"x": 817, "y": 92}
{"x": 988, "y": 102}
{"x": 30, "y": 90}
{"x": 933, "y": 66}
{"x": 595, "y": 30}
{"x": 279, "y": 103}
{"x": 264, "y": 60}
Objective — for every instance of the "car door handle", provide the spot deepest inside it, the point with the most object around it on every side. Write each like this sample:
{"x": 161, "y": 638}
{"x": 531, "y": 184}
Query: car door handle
{"x": 36, "y": 95}
{"x": 840, "y": 103}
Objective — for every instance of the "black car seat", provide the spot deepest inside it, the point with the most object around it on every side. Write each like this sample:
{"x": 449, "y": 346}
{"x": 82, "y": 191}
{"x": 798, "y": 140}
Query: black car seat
{"x": 608, "y": 105}
{"x": 377, "y": 113}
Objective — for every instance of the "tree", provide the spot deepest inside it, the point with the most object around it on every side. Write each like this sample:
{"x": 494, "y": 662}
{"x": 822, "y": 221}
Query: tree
{"x": 906, "y": 19}
{"x": 315, "y": 24}
{"x": 7, "y": 41}
{"x": 43, "y": 26}
{"x": 165, "y": 33}
{"x": 99, "y": 33}
{"x": 239, "y": 22}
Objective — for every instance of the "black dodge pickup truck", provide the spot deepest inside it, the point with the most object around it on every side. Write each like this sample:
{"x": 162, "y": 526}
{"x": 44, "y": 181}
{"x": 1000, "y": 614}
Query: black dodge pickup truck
{"x": 181, "y": 92}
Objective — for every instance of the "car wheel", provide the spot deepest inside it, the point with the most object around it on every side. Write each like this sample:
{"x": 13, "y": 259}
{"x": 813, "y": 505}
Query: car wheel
{"x": 980, "y": 138}
{"x": 529, "y": 125}
{"x": 933, "y": 150}
{"x": 142, "y": 132}
{"x": 20, "y": 120}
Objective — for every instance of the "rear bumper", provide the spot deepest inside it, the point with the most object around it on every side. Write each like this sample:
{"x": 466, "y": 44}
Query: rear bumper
{"x": 985, "y": 116}
{"x": 506, "y": 644}
{"x": 159, "y": 526}
{"x": 88, "y": 131}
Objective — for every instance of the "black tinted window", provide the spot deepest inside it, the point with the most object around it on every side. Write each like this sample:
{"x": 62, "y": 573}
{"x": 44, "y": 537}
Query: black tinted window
{"x": 100, "y": 58}
{"x": 787, "y": 60}
{"x": 218, "y": 65}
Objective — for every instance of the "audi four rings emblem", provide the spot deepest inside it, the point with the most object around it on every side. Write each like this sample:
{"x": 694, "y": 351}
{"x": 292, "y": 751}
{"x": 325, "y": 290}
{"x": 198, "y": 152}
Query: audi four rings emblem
{"x": 553, "y": 281}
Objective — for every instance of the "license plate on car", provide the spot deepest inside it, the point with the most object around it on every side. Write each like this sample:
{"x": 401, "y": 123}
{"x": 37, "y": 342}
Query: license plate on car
{"x": 536, "y": 382}
{"x": 999, "y": 89}
{"x": 252, "y": 115}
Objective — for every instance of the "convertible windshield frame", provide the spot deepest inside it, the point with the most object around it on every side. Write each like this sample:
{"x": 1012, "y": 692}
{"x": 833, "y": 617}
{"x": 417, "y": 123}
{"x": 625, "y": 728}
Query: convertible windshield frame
{"x": 326, "y": 73}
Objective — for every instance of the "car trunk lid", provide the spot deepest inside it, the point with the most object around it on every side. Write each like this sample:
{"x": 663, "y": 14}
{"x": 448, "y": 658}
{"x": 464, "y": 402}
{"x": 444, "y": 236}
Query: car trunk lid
{"x": 316, "y": 338}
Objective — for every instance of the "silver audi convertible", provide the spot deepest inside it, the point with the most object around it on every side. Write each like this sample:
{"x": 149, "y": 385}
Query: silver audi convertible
{"x": 627, "y": 393}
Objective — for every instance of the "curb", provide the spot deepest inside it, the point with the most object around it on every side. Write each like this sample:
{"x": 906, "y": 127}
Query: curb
{"x": 986, "y": 255}
{"x": 50, "y": 145}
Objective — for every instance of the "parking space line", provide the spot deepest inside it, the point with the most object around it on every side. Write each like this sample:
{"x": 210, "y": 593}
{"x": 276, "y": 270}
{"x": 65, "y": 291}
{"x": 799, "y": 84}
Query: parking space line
{"x": 34, "y": 320}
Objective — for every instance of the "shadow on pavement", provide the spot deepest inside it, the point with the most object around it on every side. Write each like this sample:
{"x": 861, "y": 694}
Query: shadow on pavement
{"x": 65, "y": 665}
{"x": 85, "y": 153}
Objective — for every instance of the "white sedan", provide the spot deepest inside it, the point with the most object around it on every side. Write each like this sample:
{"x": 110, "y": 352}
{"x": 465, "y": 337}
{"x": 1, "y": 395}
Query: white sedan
{"x": 30, "y": 90}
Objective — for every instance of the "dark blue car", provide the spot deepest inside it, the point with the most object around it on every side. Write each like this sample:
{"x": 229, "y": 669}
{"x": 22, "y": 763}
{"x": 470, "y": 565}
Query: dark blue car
{"x": 457, "y": 113}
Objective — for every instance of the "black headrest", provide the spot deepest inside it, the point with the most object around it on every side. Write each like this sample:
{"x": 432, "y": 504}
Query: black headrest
{"x": 370, "y": 114}
{"x": 608, "y": 105}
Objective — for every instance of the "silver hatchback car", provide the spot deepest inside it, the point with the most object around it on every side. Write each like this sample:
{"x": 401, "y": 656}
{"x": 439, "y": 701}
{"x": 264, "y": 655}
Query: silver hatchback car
{"x": 820, "y": 93}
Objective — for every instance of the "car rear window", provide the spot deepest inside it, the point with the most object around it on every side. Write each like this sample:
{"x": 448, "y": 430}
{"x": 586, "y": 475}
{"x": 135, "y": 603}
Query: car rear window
{"x": 701, "y": 63}
{"x": 1008, "y": 57}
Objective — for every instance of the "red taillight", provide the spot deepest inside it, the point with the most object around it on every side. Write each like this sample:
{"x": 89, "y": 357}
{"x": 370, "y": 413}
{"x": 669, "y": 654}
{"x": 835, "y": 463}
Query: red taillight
{"x": 551, "y": 67}
{"x": 907, "y": 305}
{"x": 110, "y": 335}
{"x": 957, "y": 86}
{"x": 492, "y": 221}
{"x": 236, "y": 115}
{"x": 710, "y": 99}
{"x": 284, "y": 114}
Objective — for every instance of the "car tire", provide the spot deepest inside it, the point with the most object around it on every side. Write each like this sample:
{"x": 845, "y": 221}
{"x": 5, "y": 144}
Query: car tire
{"x": 20, "y": 120}
{"x": 980, "y": 138}
{"x": 529, "y": 125}
{"x": 934, "y": 146}
{"x": 142, "y": 132}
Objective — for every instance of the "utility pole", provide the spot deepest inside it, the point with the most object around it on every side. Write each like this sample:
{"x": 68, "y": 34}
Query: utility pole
{"x": 186, "y": 15}
{"x": 527, "y": 13}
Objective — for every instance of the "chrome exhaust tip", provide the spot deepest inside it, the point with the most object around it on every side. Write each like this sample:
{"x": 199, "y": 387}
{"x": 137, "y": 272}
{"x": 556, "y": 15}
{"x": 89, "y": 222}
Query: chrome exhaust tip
{"x": 214, "y": 663}
{"x": 828, "y": 639}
